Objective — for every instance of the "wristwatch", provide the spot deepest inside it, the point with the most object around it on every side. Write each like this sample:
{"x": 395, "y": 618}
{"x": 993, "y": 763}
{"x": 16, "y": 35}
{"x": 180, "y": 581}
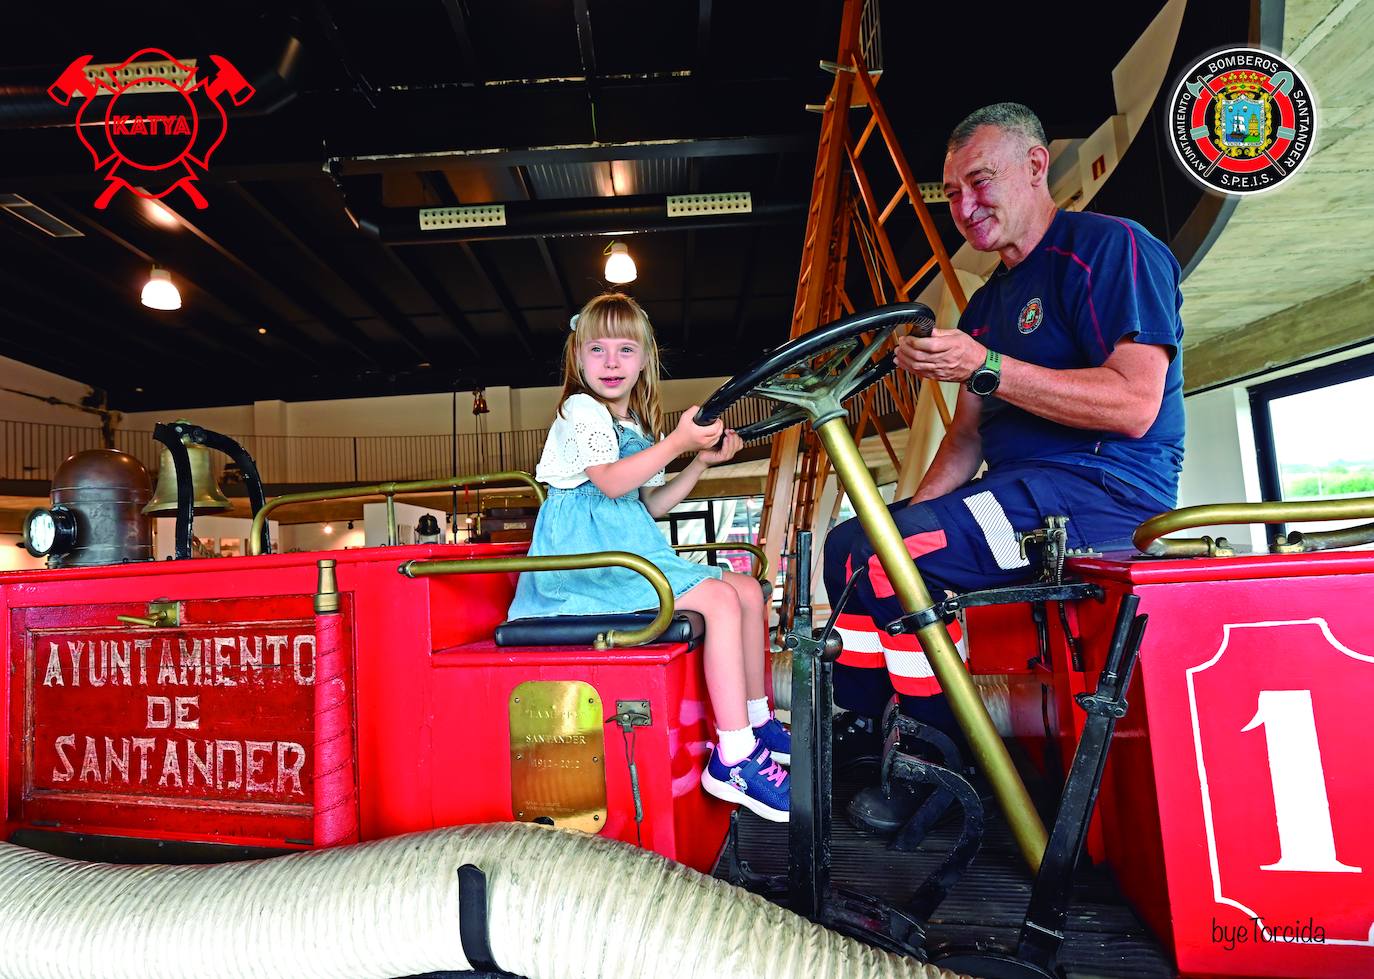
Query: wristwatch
{"x": 985, "y": 379}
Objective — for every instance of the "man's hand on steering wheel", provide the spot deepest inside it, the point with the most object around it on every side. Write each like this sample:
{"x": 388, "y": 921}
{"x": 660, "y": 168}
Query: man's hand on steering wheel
{"x": 945, "y": 355}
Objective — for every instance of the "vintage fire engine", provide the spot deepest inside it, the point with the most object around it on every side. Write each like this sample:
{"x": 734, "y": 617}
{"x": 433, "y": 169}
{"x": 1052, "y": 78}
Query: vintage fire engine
{"x": 206, "y": 711}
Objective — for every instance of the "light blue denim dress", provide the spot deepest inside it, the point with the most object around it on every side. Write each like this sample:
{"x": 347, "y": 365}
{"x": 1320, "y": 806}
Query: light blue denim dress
{"x": 584, "y": 519}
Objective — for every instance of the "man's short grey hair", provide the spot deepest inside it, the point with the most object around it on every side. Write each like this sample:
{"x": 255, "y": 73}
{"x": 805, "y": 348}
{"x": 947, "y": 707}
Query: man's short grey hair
{"x": 1010, "y": 117}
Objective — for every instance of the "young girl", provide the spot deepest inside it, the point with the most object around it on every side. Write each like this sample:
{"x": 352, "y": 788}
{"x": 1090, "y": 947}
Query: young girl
{"x": 604, "y": 463}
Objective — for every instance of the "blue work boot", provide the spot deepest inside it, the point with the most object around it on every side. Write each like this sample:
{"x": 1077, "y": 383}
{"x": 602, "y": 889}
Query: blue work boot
{"x": 758, "y": 783}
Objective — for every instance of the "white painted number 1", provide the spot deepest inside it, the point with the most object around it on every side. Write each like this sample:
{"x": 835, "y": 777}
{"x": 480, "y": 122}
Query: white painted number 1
{"x": 1306, "y": 842}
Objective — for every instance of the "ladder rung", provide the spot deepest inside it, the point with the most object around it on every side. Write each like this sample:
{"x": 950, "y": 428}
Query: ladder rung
{"x": 864, "y": 136}
{"x": 892, "y": 204}
{"x": 920, "y": 274}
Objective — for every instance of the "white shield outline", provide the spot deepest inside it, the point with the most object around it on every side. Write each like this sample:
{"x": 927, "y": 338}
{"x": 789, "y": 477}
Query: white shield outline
{"x": 1202, "y": 768}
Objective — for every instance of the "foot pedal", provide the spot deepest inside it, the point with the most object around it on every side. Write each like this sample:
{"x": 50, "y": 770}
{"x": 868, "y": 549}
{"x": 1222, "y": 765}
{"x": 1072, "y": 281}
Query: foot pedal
{"x": 905, "y": 768}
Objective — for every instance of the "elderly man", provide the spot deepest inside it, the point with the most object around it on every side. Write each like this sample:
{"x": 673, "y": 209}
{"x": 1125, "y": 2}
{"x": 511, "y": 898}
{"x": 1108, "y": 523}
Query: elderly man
{"x": 1072, "y": 394}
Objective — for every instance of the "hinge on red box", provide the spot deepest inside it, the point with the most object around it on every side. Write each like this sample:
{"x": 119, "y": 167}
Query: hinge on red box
{"x": 632, "y": 713}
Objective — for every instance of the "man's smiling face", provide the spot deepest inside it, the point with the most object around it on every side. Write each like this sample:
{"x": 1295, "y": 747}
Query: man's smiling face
{"x": 991, "y": 184}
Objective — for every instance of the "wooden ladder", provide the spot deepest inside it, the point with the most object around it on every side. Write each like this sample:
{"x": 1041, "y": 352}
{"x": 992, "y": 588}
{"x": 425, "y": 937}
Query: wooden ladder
{"x": 843, "y": 211}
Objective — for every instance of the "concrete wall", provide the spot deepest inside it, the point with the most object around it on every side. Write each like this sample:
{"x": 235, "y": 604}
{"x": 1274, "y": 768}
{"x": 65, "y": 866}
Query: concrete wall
{"x": 511, "y": 409}
{"x": 16, "y": 407}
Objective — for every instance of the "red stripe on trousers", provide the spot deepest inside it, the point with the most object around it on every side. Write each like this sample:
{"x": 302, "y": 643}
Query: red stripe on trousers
{"x": 916, "y": 545}
{"x": 854, "y": 657}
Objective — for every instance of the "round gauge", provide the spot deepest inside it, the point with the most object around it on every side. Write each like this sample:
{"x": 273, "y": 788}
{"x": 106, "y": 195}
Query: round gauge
{"x": 49, "y": 531}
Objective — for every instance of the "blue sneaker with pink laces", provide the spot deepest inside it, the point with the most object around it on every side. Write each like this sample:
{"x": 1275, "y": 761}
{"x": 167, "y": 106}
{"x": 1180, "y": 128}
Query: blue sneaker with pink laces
{"x": 757, "y": 782}
{"x": 777, "y": 739}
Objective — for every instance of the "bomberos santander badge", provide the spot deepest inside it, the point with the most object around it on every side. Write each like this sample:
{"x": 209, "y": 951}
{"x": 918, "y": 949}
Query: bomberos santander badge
{"x": 1241, "y": 121}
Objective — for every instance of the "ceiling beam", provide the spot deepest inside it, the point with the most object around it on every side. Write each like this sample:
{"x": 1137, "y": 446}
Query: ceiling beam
{"x": 462, "y": 33}
{"x": 688, "y": 248}
{"x": 587, "y": 51}
{"x": 344, "y": 329}
{"x": 327, "y": 255}
{"x": 491, "y": 278}
{"x": 566, "y": 217}
{"x": 658, "y": 149}
{"x": 484, "y": 269}
{"x": 286, "y": 154}
{"x": 80, "y": 328}
{"x": 232, "y": 296}
{"x": 555, "y": 274}
{"x": 429, "y": 283}
{"x": 56, "y": 277}
{"x": 746, "y": 287}
{"x": 204, "y": 331}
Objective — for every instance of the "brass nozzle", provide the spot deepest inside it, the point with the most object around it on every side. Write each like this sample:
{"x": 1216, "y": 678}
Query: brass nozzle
{"x": 327, "y": 590}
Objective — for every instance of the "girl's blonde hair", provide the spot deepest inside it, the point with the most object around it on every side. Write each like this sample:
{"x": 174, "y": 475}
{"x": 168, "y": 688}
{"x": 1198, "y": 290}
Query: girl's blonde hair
{"x": 615, "y": 315}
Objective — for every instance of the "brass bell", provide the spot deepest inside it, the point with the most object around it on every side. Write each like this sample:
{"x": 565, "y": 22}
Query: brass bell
{"x": 205, "y": 492}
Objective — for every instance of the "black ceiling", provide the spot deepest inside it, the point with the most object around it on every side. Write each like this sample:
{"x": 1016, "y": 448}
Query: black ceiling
{"x": 563, "y": 103}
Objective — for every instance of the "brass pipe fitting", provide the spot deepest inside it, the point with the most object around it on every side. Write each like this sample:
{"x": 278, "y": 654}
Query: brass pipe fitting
{"x": 611, "y": 639}
{"x": 327, "y": 589}
{"x": 389, "y": 490}
{"x": 1147, "y": 537}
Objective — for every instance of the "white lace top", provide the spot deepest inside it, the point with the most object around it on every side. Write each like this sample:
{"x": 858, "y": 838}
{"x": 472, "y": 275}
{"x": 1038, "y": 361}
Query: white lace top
{"x": 583, "y": 434}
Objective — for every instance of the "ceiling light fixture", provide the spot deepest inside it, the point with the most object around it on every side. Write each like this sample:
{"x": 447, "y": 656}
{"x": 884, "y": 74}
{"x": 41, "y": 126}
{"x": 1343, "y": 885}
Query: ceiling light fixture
{"x": 620, "y": 267}
{"x": 161, "y": 292}
{"x": 328, "y": 528}
{"x": 159, "y": 214}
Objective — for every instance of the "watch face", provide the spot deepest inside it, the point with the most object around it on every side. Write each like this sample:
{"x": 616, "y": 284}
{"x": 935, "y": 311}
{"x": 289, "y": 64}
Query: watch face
{"x": 41, "y": 532}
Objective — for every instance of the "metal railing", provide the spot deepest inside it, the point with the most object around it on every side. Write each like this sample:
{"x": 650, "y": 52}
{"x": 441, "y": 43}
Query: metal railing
{"x": 34, "y": 450}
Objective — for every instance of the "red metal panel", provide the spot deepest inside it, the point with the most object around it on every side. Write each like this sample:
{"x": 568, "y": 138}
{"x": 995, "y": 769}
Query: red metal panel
{"x": 431, "y": 729}
{"x": 470, "y": 734}
{"x": 1001, "y": 639}
{"x": 1237, "y": 788}
{"x": 201, "y": 731}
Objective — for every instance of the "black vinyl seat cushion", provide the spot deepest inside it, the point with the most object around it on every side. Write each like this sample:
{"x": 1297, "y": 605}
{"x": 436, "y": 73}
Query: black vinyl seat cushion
{"x": 582, "y": 630}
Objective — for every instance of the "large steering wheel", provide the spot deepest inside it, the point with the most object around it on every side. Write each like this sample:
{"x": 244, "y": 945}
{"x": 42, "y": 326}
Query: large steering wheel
{"x": 815, "y": 373}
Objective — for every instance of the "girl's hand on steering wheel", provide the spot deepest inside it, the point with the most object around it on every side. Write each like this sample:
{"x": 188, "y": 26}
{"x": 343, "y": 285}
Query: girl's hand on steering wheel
{"x": 724, "y": 452}
{"x": 693, "y": 437}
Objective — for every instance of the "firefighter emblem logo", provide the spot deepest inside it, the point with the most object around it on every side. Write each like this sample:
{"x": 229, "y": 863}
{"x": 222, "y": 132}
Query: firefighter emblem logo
{"x": 1241, "y": 121}
{"x": 150, "y": 123}
{"x": 1031, "y": 315}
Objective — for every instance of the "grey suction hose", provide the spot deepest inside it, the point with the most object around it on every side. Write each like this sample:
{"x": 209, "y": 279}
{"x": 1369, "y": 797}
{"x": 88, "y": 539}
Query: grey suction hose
{"x": 561, "y": 905}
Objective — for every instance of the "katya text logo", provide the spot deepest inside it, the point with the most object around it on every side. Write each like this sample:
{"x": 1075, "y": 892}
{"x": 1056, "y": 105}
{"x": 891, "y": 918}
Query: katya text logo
{"x": 157, "y": 121}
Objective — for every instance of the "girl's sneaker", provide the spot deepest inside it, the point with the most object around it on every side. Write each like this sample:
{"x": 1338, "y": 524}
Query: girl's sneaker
{"x": 777, "y": 739}
{"x": 758, "y": 783}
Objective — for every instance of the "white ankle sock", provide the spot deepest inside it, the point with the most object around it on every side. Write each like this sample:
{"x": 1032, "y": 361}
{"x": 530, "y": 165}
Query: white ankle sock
{"x": 735, "y": 746}
{"x": 759, "y": 714}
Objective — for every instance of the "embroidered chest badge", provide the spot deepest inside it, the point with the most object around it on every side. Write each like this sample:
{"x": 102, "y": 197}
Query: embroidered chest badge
{"x": 1031, "y": 315}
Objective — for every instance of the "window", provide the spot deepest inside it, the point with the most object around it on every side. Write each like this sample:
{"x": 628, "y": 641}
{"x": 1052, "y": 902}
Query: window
{"x": 1312, "y": 435}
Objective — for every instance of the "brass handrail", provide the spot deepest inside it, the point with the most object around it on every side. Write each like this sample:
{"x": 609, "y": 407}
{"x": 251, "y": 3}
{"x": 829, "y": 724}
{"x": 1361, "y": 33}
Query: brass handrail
{"x": 610, "y": 639}
{"x": 390, "y": 491}
{"x": 760, "y": 558}
{"x": 1148, "y": 535}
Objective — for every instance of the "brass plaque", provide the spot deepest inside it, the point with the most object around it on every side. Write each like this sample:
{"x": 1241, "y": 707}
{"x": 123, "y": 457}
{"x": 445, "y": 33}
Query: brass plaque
{"x": 557, "y": 754}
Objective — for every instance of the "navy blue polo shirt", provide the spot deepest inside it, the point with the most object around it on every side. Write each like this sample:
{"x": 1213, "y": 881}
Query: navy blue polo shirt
{"x": 1092, "y": 280}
